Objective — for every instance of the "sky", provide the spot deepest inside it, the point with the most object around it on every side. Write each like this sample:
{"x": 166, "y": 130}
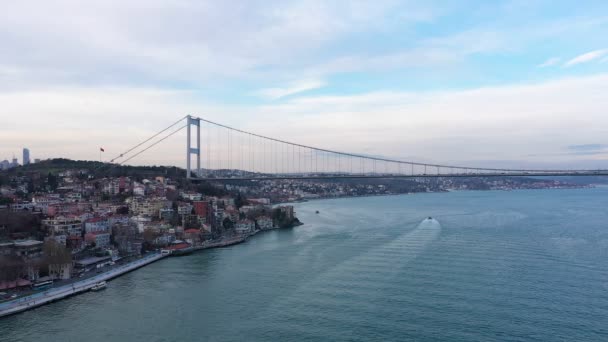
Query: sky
{"x": 484, "y": 83}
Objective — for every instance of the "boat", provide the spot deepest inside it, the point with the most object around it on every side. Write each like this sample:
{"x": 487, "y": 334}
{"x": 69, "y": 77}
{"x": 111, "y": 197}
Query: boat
{"x": 99, "y": 286}
{"x": 430, "y": 218}
{"x": 316, "y": 212}
{"x": 179, "y": 248}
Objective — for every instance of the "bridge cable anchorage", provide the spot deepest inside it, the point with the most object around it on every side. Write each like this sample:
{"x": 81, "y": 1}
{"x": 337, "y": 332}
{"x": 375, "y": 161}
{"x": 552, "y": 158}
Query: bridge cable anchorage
{"x": 292, "y": 160}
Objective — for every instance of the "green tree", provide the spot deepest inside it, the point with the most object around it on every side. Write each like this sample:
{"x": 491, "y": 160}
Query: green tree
{"x": 240, "y": 200}
{"x": 52, "y": 182}
{"x": 227, "y": 223}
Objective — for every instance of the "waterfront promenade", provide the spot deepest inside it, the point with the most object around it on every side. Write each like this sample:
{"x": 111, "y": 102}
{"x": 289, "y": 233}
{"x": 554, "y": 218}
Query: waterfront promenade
{"x": 44, "y": 297}
{"x": 59, "y": 292}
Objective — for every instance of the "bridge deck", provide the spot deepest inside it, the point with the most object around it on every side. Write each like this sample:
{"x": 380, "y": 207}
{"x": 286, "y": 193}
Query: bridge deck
{"x": 386, "y": 176}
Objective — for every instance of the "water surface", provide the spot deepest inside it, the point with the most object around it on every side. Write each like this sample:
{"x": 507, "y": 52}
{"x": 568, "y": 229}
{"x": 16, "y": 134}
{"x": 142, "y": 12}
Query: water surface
{"x": 508, "y": 266}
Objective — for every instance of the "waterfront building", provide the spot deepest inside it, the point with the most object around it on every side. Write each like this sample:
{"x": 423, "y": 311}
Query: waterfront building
{"x": 244, "y": 226}
{"x": 192, "y": 236}
{"x": 27, "y": 249}
{"x": 60, "y": 271}
{"x": 92, "y": 262}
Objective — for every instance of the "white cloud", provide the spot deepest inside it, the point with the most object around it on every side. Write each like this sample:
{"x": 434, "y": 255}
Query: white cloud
{"x": 151, "y": 42}
{"x": 586, "y": 57}
{"x": 491, "y": 123}
{"x": 550, "y": 62}
{"x": 294, "y": 88}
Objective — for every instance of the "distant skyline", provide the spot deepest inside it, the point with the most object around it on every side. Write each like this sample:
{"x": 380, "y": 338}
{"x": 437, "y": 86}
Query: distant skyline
{"x": 496, "y": 84}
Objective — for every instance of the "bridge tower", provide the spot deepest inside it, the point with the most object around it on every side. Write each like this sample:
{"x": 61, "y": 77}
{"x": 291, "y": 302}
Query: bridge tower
{"x": 190, "y": 150}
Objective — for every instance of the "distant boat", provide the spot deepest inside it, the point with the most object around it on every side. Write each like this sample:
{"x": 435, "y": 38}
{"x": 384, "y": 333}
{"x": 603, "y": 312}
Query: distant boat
{"x": 99, "y": 286}
{"x": 316, "y": 212}
{"x": 430, "y": 218}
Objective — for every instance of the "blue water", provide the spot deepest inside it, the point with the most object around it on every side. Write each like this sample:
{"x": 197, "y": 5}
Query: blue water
{"x": 489, "y": 266}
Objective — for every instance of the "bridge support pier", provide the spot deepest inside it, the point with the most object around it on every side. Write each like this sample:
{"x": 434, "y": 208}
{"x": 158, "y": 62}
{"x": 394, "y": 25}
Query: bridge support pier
{"x": 190, "y": 150}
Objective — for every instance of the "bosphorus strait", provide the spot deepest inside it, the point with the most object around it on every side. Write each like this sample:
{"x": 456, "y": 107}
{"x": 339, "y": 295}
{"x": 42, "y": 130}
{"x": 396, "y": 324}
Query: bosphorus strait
{"x": 495, "y": 265}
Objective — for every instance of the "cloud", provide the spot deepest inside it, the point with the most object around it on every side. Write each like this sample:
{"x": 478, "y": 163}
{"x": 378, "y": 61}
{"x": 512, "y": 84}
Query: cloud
{"x": 588, "y": 147}
{"x": 550, "y": 62}
{"x": 489, "y": 123}
{"x": 159, "y": 43}
{"x": 294, "y": 88}
{"x": 586, "y": 57}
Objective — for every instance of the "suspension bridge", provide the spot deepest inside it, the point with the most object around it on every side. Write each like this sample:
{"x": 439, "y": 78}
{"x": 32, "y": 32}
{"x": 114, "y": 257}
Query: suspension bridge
{"x": 233, "y": 154}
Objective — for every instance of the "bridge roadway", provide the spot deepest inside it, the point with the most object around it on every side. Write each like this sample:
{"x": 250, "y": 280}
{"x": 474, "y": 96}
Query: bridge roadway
{"x": 386, "y": 176}
{"x": 24, "y": 303}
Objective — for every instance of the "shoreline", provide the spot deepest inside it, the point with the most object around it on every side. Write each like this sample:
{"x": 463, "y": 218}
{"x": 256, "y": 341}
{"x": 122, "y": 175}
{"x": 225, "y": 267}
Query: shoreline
{"x": 592, "y": 186}
{"x": 32, "y": 301}
{"x": 35, "y": 300}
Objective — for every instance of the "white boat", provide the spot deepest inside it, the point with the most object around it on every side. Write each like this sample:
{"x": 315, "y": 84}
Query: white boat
{"x": 99, "y": 286}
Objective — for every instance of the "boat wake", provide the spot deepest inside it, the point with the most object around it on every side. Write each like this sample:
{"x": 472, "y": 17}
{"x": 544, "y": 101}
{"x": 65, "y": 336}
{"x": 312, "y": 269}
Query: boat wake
{"x": 360, "y": 279}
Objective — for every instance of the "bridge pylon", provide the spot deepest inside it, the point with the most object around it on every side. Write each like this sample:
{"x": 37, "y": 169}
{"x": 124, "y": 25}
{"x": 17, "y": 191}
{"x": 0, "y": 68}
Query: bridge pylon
{"x": 191, "y": 121}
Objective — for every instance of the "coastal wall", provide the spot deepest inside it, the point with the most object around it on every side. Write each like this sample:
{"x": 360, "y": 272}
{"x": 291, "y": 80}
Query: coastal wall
{"x": 56, "y": 293}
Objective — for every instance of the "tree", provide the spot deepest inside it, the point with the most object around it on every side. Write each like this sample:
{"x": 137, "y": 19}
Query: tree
{"x": 227, "y": 223}
{"x": 5, "y": 200}
{"x": 124, "y": 210}
{"x": 55, "y": 253}
{"x": 11, "y": 267}
{"x": 52, "y": 181}
{"x": 240, "y": 200}
{"x": 55, "y": 259}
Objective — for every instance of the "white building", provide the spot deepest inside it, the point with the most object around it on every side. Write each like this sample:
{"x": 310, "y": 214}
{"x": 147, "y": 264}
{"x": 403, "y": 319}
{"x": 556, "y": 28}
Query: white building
{"x": 193, "y": 196}
{"x": 244, "y": 226}
{"x": 64, "y": 225}
{"x": 101, "y": 240}
{"x": 96, "y": 224}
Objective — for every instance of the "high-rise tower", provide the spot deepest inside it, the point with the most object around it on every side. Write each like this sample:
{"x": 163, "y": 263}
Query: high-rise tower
{"x": 26, "y": 156}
